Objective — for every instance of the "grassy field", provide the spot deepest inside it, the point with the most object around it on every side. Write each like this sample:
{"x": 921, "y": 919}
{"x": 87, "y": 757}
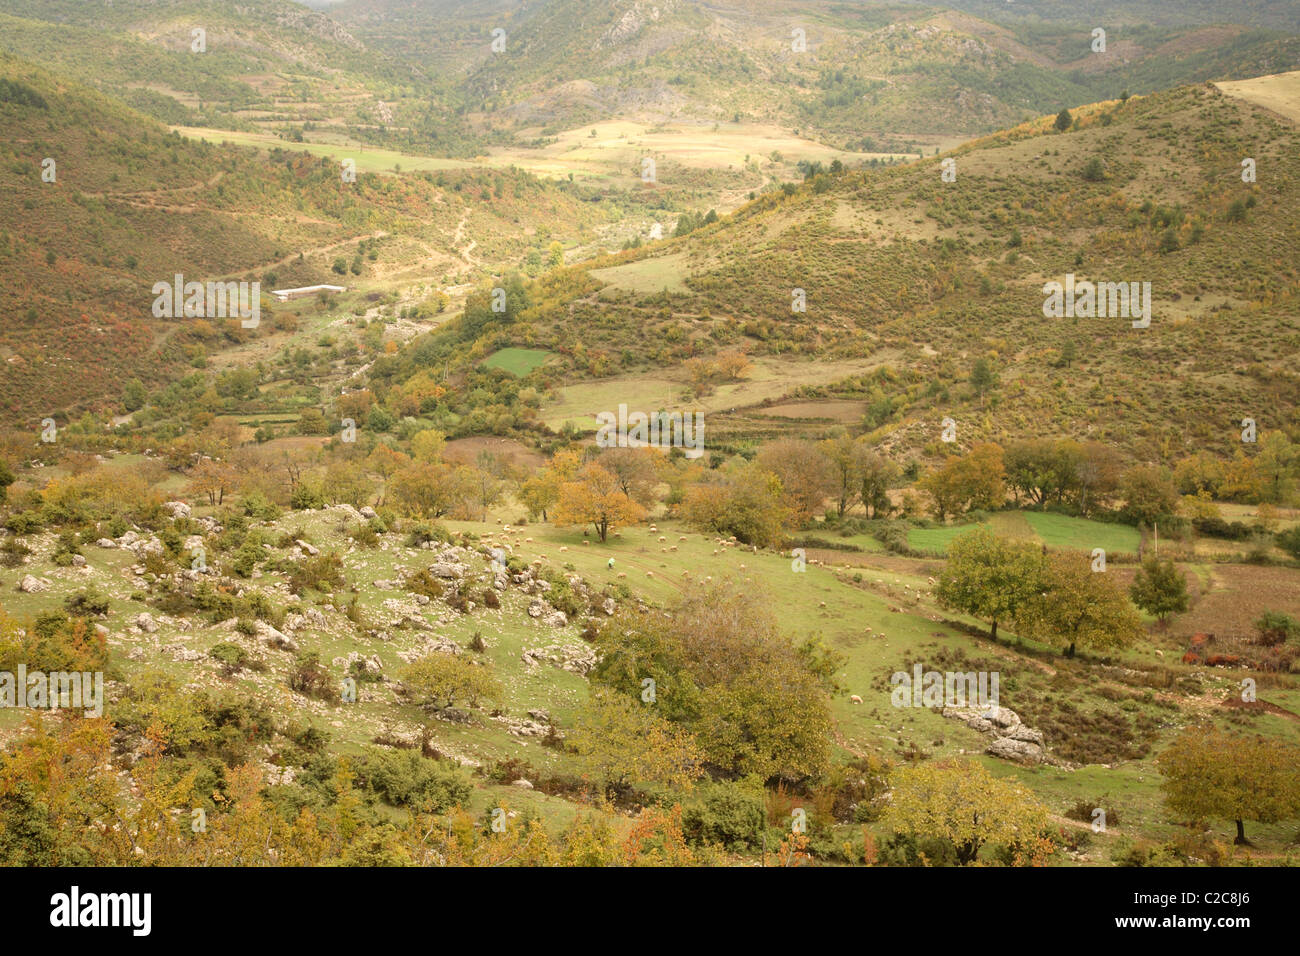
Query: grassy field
{"x": 517, "y": 361}
{"x": 1059, "y": 532}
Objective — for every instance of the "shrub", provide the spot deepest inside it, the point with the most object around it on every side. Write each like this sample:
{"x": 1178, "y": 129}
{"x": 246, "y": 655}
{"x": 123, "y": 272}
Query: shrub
{"x": 87, "y": 603}
{"x": 423, "y": 582}
{"x": 1275, "y": 627}
{"x": 324, "y": 572}
{"x": 13, "y": 552}
{"x": 310, "y": 677}
{"x": 726, "y": 814}
{"x": 231, "y": 657}
{"x": 405, "y": 778}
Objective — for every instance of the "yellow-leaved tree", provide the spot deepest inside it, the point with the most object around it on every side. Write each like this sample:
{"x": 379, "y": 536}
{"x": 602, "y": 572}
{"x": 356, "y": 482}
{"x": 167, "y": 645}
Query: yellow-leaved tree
{"x": 961, "y": 802}
{"x": 596, "y": 498}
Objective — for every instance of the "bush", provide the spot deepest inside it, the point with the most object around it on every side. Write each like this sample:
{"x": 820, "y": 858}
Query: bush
{"x": 903, "y": 849}
{"x": 310, "y": 677}
{"x": 364, "y": 536}
{"x": 24, "y": 522}
{"x": 422, "y": 532}
{"x": 1082, "y": 811}
{"x": 324, "y": 572}
{"x": 87, "y": 603}
{"x": 1275, "y": 627}
{"x": 405, "y": 778}
{"x": 725, "y": 814}
{"x": 14, "y": 552}
{"x": 231, "y": 657}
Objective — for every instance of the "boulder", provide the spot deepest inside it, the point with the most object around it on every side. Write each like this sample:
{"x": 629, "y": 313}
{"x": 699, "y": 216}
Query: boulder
{"x": 274, "y": 638}
{"x": 106, "y": 543}
{"x": 177, "y": 509}
{"x": 146, "y": 623}
{"x": 31, "y": 584}
{"x": 1018, "y": 750}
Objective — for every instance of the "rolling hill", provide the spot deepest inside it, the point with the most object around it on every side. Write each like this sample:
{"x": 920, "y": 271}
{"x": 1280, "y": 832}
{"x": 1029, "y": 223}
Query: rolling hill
{"x": 909, "y": 279}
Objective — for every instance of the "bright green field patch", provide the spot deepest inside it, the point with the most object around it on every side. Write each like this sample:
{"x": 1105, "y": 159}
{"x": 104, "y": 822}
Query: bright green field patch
{"x": 517, "y": 361}
{"x": 1059, "y": 532}
{"x": 1081, "y": 534}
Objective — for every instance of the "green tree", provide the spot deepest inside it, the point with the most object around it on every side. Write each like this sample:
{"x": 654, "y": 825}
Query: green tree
{"x": 134, "y": 395}
{"x": 1210, "y": 773}
{"x": 990, "y": 578}
{"x": 1149, "y": 494}
{"x": 1159, "y": 588}
{"x": 1063, "y": 121}
{"x": 983, "y": 378}
{"x": 441, "y": 680}
{"x": 1081, "y": 606}
{"x": 722, "y": 670}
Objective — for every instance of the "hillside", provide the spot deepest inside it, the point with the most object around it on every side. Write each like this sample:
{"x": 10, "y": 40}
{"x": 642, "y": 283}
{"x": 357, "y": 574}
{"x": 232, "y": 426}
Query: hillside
{"x": 694, "y": 451}
{"x": 870, "y": 77}
{"x": 909, "y": 280}
{"x": 133, "y": 204}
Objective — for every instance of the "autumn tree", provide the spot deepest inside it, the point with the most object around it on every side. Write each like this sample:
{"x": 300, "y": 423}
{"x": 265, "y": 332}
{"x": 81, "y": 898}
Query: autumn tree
{"x": 485, "y": 481}
{"x": 427, "y": 490}
{"x": 804, "y": 473}
{"x": 595, "y": 498}
{"x": 974, "y": 480}
{"x": 540, "y": 492}
{"x": 1081, "y": 606}
{"x": 346, "y": 483}
{"x": 1242, "y": 480}
{"x": 844, "y": 456}
{"x": 637, "y": 471}
{"x": 732, "y": 364}
{"x": 427, "y": 445}
{"x": 741, "y": 499}
{"x": 961, "y": 802}
{"x": 1159, "y": 588}
{"x": 989, "y": 577}
{"x": 757, "y": 702}
{"x": 385, "y": 461}
{"x": 213, "y": 479}
{"x": 621, "y": 741}
{"x": 1239, "y": 777}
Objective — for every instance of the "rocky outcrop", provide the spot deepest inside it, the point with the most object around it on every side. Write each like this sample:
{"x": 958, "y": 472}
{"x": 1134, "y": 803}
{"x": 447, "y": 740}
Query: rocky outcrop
{"x": 1012, "y": 739}
{"x": 575, "y": 658}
